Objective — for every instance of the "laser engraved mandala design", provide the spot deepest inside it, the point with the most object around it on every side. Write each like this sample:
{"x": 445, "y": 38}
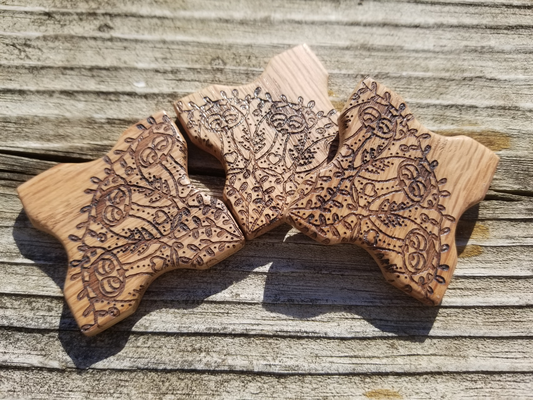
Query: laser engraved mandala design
{"x": 143, "y": 218}
{"x": 269, "y": 145}
{"x": 382, "y": 192}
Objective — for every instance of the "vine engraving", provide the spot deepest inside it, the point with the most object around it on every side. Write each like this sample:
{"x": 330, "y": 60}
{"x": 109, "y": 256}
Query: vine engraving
{"x": 381, "y": 192}
{"x": 269, "y": 145}
{"x": 144, "y": 218}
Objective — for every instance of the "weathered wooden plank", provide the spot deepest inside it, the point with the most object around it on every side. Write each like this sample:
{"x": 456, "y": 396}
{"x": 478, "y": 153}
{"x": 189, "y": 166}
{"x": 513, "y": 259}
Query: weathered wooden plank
{"x": 514, "y": 172}
{"x": 276, "y": 274}
{"x": 20, "y": 169}
{"x": 457, "y": 89}
{"x": 285, "y": 256}
{"x": 286, "y": 28}
{"x": 491, "y": 242}
{"x": 477, "y": 257}
{"x": 60, "y": 50}
{"x": 431, "y": 92}
{"x": 325, "y": 321}
{"x": 314, "y": 6}
{"x": 284, "y": 355}
{"x": 297, "y": 271}
{"x": 357, "y": 288}
{"x": 90, "y": 138}
{"x": 286, "y": 267}
{"x": 15, "y": 169}
{"x": 282, "y": 305}
{"x": 24, "y": 165}
{"x": 74, "y": 139}
{"x": 511, "y": 230}
{"x": 69, "y": 384}
{"x": 482, "y": 227}
{"x": 369, "y": 12}
{"x": 497, "y": 205}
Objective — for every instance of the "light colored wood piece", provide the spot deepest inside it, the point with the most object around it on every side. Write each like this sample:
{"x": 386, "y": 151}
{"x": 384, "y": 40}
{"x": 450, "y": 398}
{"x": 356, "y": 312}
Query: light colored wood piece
{"x": 127, "y": 218}
{"x": 397, "y": 190}
{"x": 268, "y": 134}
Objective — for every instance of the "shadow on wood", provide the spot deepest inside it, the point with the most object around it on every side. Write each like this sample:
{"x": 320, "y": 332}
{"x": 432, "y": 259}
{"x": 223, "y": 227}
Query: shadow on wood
{"x": 358, "y": 289}
{"x": 43, "y": 249}
{"x": 183, "y": 289}
{"x": 363, "y": 293}
{"x": 294, "y": 286}
{"x": 465, "y": 228}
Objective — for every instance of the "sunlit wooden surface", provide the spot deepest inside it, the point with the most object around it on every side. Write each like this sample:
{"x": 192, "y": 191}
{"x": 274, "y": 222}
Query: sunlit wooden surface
{"x": 285, "y": 317}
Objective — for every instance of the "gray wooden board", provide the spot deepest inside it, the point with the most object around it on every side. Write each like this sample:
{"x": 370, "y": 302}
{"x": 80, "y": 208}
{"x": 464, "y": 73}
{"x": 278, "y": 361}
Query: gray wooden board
{"x": 40, "y": 383}
{"x": 284, "y": 317}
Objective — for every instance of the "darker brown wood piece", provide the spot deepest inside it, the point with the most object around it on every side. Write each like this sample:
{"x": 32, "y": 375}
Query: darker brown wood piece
{"x": 127, "y": 218}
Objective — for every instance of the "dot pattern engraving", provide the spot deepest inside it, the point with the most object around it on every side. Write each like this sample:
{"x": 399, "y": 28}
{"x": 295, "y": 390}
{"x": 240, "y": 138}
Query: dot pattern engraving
{"x": 269, "y": 146}
{"x": 144, "y": 218}
{"x": 382, "y": 192}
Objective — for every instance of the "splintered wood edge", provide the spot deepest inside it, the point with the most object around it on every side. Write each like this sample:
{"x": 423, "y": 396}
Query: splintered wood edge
{"x": 144, "y": 174}
{"x": 433, "y": 177}
{"x": 295, "y": 76}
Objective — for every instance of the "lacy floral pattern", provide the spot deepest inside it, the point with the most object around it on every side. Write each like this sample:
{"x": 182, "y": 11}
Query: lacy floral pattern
{"x": 144, "y": 217}
{"x": 269, "y": 145}
{"x": 381, "y": 192}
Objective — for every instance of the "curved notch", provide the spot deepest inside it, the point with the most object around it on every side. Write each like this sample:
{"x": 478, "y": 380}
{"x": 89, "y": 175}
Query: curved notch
{"x": 269, "y": 135}
{"x": 127, "y": 218}
{"x": 397, "y": 190}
